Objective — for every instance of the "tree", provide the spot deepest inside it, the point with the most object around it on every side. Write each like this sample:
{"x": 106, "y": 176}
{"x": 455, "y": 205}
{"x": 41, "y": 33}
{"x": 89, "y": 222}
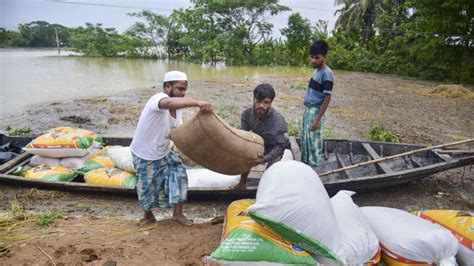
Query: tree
{"x": 200, "y": 34}
{"x": 243, "y": 23}
{"x": 439, "y": 36}
{"x": 298, "y": 35}
{"x": 93, "y": 40}
{"x": 155, "y": 28}
{"x": 42, "y": 34}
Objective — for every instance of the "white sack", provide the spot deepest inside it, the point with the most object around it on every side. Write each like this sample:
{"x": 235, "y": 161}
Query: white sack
{"x": 205, "y": 178}
{"x": 292, "y": 201}
{"x": 360, "y": 244}
{"x": 410, "y": 236}
{"x": 122, "y": 158}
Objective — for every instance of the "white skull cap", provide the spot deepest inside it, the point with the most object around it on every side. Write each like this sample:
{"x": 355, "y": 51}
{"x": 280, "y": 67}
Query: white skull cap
{"x": 174, "y": 76}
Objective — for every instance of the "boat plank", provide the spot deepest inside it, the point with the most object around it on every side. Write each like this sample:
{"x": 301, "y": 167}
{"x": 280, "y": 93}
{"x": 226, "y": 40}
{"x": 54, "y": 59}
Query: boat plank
{"x": 443, "y": 157}
{"x": 13, "y": 162}
{"x": 345, "y": 174}
{"x": 383, "y": 166}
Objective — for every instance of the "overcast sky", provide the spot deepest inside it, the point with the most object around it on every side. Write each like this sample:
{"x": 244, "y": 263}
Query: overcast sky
{"x": 73, "y": 13}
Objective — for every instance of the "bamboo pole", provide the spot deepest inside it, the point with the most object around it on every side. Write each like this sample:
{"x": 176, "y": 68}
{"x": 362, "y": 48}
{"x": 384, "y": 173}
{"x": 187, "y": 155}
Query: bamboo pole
{"x": 455, "y": 151}
{"x": 397, "y": 155}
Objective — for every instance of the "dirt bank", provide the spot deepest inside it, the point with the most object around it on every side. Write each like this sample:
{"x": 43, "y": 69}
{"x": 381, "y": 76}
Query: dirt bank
{"x": 360, "y": 100}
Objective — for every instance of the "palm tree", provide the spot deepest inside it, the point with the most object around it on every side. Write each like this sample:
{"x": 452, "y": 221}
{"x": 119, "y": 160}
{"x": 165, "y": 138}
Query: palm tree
{"x": 358, "y": 14}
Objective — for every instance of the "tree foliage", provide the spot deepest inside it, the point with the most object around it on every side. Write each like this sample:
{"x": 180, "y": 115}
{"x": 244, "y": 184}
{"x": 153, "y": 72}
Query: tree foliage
{"x": 430, "y": 38}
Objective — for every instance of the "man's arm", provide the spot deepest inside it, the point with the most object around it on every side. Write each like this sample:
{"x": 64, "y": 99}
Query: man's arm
{"x": 324, "y": 106}
{"x": 276, "y": 151}
{"x": 178, "y": 103}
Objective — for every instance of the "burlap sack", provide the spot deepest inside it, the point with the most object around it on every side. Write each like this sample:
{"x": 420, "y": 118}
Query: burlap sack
{"x": 209, "y": 141}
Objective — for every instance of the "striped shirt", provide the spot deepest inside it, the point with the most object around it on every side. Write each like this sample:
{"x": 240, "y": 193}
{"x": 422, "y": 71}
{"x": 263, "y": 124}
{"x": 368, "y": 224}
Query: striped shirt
{"x": 272, "y": 129}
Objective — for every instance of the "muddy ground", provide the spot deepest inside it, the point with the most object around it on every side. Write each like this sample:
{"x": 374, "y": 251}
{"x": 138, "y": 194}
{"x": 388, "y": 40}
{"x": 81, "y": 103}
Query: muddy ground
{"x": 96, "y": 229}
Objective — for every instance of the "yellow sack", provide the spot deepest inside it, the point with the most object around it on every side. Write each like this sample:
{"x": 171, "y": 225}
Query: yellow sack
{"x": 50, "y": 173}
{"x": 461, "y": 224}
{"x": 63, "y": 142}
{"x": 111, "y": 177}
{"x": 100, "y": 160}
{"x": 244, "y": 240}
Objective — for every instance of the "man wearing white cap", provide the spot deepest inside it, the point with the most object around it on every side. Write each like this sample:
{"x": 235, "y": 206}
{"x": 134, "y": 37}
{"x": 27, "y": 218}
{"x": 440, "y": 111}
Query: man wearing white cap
{"x": 162, "y": 179}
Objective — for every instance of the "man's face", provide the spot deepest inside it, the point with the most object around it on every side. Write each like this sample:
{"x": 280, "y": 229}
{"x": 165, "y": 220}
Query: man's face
{"x": 317, "y": 60}
{"x": 178, "y": 89}
{"x": 262, "y": 107}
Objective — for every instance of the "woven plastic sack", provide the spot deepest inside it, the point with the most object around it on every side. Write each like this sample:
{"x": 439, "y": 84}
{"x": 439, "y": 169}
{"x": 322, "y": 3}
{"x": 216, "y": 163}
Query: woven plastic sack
{"x": 245, "y": 242}
{"x": 64, "y": 142}
{"x": 99, "y": 160}
{"x": 205, "y": 178}
{"x": 461, "y": 225}
{"x": 122, "y": 158}
{"x": 292, "y": 201}
{"x": 111, "y": 177}
{"x": 407, "y": 239}
{"x": 50, "y": 173}
{"x": 360, "y": 244}
{"x": 212, "y": 143}
{"x": 70, "y": 162}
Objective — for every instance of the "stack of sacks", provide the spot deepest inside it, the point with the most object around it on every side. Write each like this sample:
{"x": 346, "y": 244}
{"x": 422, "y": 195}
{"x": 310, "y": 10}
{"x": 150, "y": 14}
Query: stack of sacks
{"x": 461, "y": 225}
{"x": 360, "y": 244}
{"x": 99, "y": 160}
{"x": 63, "y": 146}
{"x": 292, "y": 201}
{"x": 245, "y": 242}
{"x": 102, "y": 169}
{"x": 197, "y": 177}
{"x": 406, "y": 239}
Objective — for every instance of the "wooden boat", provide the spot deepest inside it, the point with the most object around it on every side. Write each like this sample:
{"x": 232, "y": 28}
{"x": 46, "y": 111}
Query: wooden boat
{"x": 337, "y": 154}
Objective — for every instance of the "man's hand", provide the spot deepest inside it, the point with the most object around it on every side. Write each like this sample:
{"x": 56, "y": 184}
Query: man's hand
{"x": 204, "y": 106}
{"x": 315, "y": 125}
{"x": 260, "y": 160}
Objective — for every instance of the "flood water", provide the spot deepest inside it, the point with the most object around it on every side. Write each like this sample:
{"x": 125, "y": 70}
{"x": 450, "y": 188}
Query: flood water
{"x": 32, "y": 76}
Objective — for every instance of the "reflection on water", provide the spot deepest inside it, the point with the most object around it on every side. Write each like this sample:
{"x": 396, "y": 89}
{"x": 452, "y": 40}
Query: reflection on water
{"x": 30, "y": 76}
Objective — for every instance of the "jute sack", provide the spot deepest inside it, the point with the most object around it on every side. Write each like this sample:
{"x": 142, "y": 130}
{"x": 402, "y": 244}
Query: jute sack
{"x": 209, "y": 141}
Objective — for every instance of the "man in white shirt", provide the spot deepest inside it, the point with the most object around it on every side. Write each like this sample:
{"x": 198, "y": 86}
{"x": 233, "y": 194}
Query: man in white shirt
{"x": 162, "y": 179}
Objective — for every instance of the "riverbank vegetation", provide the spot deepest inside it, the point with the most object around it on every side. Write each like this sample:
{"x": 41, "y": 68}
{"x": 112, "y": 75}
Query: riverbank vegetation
{"x": 431, "y": 39}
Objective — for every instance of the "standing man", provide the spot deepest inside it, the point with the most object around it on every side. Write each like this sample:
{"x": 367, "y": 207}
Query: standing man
{"x": 162, "y": 178}
{"x": 267, "y": 122}
{"x": 316, "y": 101}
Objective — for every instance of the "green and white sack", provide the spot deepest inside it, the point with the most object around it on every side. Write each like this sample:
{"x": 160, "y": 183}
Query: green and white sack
{"x": 292, "y": 201}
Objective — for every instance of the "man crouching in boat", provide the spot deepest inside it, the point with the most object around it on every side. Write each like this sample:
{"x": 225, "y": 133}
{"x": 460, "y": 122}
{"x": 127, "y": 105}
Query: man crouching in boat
{"x": 162, "y": 178}
{"x": 267, "y": 122}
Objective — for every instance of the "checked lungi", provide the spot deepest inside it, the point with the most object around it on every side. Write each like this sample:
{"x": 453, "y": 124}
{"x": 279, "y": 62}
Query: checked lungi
{"x": 161, "y": 183}
{"x": 311, "y": 141}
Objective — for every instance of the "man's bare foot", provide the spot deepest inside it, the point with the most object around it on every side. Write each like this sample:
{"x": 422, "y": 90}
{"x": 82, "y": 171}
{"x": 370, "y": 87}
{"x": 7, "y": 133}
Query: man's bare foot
{"x": 147, "y": 219}
{"x": 183, "y": 220}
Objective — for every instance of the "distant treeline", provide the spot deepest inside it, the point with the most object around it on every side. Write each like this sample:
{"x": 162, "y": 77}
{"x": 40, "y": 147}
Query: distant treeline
{"x": 431, "y": 39}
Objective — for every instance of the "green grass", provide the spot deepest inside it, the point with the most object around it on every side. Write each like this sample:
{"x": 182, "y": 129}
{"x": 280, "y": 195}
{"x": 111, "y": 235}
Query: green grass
{"x": 328, "y": 132}
{"x": 377, "y": 133}
{"x": 299, "y": 86}
{"x": 228, "y": 113}
{"x": 294, "y": 128}
{"x": 18, "y": 131}
{"x": 47, "y": 218}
